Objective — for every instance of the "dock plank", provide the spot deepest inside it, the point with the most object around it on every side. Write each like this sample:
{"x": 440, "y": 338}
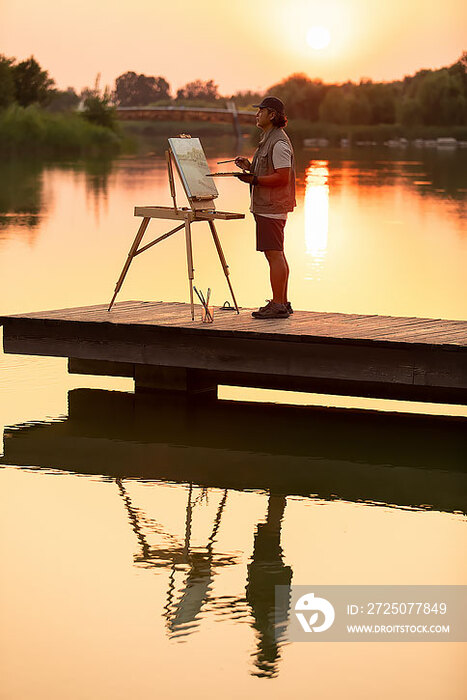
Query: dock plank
{"x": 351, "y": 354}
{"x": 302, "y": 325}
{"x": 309, "y": 324}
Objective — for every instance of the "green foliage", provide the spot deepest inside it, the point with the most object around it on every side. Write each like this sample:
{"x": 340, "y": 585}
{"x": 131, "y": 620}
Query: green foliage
{"x": 199, "y": 90}
{"x": 427, "y": 98}
{"x": 301, "y": 96}
{"x": 409, "y": 112}
{"x": 381, "y": 99}
{"x": 335, "y": 107}
{"x": 132, "y": 90}
{"x": 7, "y": 83}
{"x": 245, "y": 99}
{"x": 33, "y": 131}
{"x": 99, "y": 111}
{"x": 63, "y": 100}
{"x": 32, "y": 84}
{"x": 441, "y": 99}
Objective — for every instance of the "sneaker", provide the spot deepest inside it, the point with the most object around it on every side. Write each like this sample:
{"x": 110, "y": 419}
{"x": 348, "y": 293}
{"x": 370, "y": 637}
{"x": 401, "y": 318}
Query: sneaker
{"x": 288, "y": 306}
{"x": 262, "y": 308}
{"x": 271, "y": 310}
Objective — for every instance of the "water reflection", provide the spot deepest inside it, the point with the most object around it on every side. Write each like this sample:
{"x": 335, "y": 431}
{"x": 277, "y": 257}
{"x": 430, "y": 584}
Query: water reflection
{"x": 331, "y": 453}
{"x": 178, "y": 483}
{"x": 266, "y": 571}
{"x": 21, "y": 195}
{"x": 192, "y": 569}
{"x": 97, "y": 178}
{"x": 198, "y": 564}
{"x": 184, "y": 606}
{"x": 26, "y": 194}
{"x": 316, "y": 203}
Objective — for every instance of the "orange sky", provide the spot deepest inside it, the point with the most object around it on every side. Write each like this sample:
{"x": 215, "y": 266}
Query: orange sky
{"x": 241, "y": 44}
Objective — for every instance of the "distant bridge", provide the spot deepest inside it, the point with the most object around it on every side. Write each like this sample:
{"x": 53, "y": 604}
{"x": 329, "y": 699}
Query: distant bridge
{"x": 230, "y": 115}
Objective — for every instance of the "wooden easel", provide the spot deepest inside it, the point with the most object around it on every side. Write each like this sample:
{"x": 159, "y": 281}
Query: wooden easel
{"x": 201, "y": 209}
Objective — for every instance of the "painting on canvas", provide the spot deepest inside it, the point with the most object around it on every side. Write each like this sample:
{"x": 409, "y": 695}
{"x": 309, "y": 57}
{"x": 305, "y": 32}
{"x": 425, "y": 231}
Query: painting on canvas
{"x": 193, "y": 168}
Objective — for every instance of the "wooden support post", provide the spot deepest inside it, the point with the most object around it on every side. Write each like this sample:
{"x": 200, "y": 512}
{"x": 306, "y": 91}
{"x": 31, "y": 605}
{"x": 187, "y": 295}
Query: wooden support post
{"x": 177, "y": 381}
{"x": 168, "y": 156}
{"x": 131, "y": 255}
{"x": 225, "y": 267}
{"x": 189, "y": 257}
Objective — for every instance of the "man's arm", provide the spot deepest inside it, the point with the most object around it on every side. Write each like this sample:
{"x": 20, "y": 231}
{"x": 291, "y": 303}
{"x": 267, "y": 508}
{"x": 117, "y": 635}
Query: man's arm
{"x": 278, "y": 178}
{"x": 281, "y": 160}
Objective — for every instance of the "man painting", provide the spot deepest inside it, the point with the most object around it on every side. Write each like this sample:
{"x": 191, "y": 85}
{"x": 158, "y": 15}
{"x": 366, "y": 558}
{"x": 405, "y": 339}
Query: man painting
{"x": 271, "y": 178}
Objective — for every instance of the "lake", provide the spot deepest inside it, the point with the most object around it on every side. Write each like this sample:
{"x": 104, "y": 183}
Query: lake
{"x": 141, "y": 542}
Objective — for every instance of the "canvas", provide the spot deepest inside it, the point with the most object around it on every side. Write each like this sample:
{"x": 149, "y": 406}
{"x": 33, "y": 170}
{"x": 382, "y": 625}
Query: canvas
{"x": 193, "y": 167}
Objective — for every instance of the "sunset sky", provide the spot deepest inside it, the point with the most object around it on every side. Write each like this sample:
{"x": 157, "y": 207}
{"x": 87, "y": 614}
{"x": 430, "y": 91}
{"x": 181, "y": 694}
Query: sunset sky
{"x": 240, "y": 44}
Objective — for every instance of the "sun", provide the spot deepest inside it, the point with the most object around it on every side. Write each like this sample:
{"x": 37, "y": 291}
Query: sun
{"x": 318, "y": 37}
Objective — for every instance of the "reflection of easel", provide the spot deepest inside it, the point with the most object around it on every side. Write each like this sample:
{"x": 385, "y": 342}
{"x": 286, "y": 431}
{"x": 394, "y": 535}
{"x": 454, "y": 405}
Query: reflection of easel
{"x": 201, "y": 563}
{"x": 201, "y": 209}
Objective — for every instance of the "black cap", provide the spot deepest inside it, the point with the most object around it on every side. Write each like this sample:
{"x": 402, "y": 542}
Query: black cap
{"x": 272, "y": 103}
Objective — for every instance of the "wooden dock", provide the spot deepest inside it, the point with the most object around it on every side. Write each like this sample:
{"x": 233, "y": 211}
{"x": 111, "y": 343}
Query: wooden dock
{"x": 158, "y": 345}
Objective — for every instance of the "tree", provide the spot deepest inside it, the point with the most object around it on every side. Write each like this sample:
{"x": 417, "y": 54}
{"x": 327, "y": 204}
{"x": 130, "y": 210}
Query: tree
{"x": 301, "y": 95}
{"x": 358, "y": 108}
{"x": 7, "y": 82}
{"x": 246, "y": 98}
{"x": 335, "y": 107}
{"x": 98, "y": 110}
{"x": 441, "y": 99}
{"x": 132, "y": 90}
{"x": 409, "y": 112}
{"x": 32, "y": 84}
{"x": 199, "y": 90}
{"x": 63, "y": 100}
{"x": 381, "y": 98}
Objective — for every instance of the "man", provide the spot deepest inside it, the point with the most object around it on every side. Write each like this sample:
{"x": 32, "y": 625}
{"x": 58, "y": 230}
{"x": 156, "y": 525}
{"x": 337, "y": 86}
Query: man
{"x": 271, "y": 178}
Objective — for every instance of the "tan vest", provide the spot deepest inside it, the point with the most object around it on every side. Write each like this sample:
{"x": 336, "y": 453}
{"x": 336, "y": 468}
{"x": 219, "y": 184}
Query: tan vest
{"x": 272, "y": 200}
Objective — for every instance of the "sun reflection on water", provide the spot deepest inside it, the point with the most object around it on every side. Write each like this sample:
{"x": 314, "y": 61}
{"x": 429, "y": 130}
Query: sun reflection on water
{"x": 316, "y": 216}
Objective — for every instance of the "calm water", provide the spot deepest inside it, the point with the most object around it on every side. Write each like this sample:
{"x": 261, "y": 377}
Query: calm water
{"x": 140, "y": 544}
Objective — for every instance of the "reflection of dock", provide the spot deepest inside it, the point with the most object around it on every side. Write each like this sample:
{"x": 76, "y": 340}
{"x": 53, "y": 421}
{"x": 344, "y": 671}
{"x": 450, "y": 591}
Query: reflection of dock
{"x": 158, "y": 345}
{"x": 287, "y": 450}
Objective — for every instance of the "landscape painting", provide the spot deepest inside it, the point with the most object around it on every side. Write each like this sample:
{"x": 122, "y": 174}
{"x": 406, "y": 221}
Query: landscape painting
{"x": 193, "y": 168}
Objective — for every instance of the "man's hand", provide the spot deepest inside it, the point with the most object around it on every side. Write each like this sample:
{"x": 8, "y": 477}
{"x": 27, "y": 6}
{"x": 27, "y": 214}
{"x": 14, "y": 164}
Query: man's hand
{"x": 249, "y": 178}
{"x": 242, "y": 163}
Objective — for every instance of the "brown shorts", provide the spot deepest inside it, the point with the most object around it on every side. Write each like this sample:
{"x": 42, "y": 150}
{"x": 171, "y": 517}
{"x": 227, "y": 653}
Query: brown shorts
{"x": 269, "y": 233}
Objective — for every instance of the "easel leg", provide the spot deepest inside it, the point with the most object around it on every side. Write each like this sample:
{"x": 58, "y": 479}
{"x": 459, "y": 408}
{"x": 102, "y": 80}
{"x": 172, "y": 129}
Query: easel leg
{"x": 131, "y": 254}
{"x": 220, "y": 253}
{"x": 189, "y": 258}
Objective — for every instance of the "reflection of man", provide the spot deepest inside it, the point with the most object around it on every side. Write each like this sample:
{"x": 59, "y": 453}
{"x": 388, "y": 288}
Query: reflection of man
{"x": 272, "y": 186}
{"x": 266, "y": 571}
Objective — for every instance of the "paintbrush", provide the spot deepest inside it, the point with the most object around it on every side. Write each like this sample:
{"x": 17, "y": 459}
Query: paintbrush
{"x": 232, "y": 160}
{"x": 201, "y": 298}
{"x": 206, "y": 303}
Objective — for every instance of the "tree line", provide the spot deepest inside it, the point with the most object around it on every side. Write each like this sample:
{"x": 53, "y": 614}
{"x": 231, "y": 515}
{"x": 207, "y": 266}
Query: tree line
{"x": 430, "y": 97}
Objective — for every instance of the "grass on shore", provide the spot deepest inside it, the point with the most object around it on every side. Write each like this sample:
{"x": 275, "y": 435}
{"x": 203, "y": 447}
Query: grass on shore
{"x": 156, "y": 133}
{"x": 32, "y": 131}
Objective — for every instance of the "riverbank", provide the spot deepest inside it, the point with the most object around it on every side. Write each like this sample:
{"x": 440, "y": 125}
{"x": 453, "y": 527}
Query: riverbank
{"x": 152, "y": 135}
{"x": 32, "y": 131}
{"x": 300, "y": 130}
